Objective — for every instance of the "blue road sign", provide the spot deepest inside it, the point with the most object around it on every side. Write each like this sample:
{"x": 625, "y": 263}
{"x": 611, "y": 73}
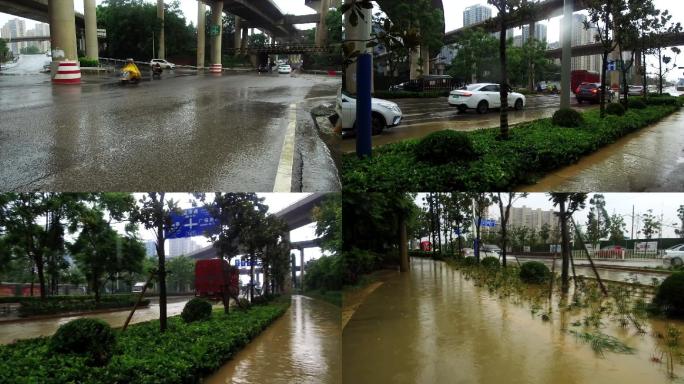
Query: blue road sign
{"x": 192, "y": 222}
{"x": 245, "y": 263}
{"x": 487, "y": 223}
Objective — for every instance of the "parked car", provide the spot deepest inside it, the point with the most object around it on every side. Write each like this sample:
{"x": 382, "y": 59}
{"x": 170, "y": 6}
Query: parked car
{"x": 635, "y": 90}
{"x": 482, "y": 97}
{"x": 674, "y": 256}
{"x": 580, "y": 76}
{"x": 591, "y": 92}
{"x": 385, "y": 113}
{"x": 163, "y": 63}
{"x": 611, "y": 252}
{"x": 429, "y": 83}
{"x": 138, "y": 287}
{"x": 284, "y": 69}
{"x": 398, "y": 87}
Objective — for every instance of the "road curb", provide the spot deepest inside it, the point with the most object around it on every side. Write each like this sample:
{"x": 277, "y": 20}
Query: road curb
{"x": 283, "y": 180}
{"x": 67, "y": 314}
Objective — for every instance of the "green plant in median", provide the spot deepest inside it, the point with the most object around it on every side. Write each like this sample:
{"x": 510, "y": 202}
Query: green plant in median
{"x": 196, "y": 310}
{"x": 600, "y": 342}
{"x": 567, "y": 117}
{"x": 445, "y": 147}
{"x": 669, "y": 298}
{"x": 490, "y": 262}
{"x": 615, "y": 109}
{"x": 534, "y": 272}
{"x": 88, "y": 62}
{"x": 91, "y": 338}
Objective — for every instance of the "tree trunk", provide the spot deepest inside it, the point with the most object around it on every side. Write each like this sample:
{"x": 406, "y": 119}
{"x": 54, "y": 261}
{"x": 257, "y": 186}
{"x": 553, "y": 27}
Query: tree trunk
{"x": 503, "y": 91}
{"x": 660, "y": 72}
{"x": 565, "y": 248}
{"x": 251, "y": 276}
{"x": 504, "y": 241}
{"x": 602, "y": 97}
{"x": 439, "y": 225}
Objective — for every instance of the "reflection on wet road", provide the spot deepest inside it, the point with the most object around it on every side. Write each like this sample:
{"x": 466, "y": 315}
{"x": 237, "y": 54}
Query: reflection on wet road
{"x": 35, "y": 328}
{"x": 431, "y": 325}
{"x": 424, "y": 116}
{"x": 651, "y": 159}
{"x": 303, "y": 346}
{"x": 181, "y": 133}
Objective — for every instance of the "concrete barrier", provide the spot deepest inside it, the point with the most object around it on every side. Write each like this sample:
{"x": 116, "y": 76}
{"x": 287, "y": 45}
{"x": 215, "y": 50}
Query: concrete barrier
{"x": 68, "y": 73}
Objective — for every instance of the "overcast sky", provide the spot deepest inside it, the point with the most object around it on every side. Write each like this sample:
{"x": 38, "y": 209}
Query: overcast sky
{"x": 616, "y": 203}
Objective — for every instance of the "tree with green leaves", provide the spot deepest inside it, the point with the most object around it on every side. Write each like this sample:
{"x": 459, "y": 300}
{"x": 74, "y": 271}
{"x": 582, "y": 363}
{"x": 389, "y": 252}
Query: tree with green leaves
{"x": 662, "y": 24}
{"x": 475, "y": 58}
{"x": 5, "y": 53}
{"x": 680, "y": 215}
{"x": 598, "y": 220}
{"x": 275, "y": 252}
{"x": 505, "y": 9}
{"x": 328, "y": 217}
{"x": 545, "y": 233}
{"x": 505, "y": 203}
{"x": 154, "y": 213}
{"x": 568, "y": 204}
{"x": 181, "y": 273}
{"x": 616, "y": 229}
{"x": 651, "y": 224}
{"x": 481, "y": 202}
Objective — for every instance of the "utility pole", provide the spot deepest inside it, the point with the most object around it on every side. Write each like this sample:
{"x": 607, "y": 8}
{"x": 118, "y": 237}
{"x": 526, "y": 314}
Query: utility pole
{"x": 632, "y": 235}
{"x": 566, "y": 30}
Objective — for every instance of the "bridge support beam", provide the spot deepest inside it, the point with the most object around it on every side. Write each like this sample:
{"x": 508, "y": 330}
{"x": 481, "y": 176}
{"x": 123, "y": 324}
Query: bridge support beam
{"x": 301, "y": 269}
{"x": 201, "y": 33}
{"x": 566, "y": 31}
{"x": 92, "y": 47}
{"x": 414, "y": 63}
{"x": 238, "y": 35}
{"x": 65, "y": 67}
{"x": 322, "y": 27}
{"x": 161, "y": 51}
{"x": 216, "y": 15}
{"x": 358, "y": 35}
{"x": 245, "y": 38}
{"x": 425, "y": 57}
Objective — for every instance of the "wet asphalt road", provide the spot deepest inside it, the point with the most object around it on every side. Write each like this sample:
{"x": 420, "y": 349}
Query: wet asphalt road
{"x": 185, "y": 132}
{"x": 424, "y": 116}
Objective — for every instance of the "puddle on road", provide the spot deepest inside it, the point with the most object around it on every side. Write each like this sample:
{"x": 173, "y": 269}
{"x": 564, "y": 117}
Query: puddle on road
{"x": 34, "y": 328}
{"x": 303, "y": 347}
{"x": 433, "y": 325}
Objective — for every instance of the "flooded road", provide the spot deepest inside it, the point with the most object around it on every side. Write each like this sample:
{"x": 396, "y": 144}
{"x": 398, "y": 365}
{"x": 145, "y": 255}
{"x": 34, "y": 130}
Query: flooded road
{"x": 424, "y": 116}
{"x": 180, "y": 133}
{"x": 303, "y": 346}
{"x": 432, "y": 325}
{"x": 29, "y": 329}
{"x": 651, "y": 159}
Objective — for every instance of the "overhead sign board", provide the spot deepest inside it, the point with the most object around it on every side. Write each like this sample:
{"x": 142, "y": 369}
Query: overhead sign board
{"x": 487, "y": 223}
{"x": 192, "y": 222}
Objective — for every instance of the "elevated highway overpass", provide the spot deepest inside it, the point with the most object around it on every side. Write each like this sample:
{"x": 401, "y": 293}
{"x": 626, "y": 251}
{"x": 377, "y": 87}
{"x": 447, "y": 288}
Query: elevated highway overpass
{"x": 33, "y": 9}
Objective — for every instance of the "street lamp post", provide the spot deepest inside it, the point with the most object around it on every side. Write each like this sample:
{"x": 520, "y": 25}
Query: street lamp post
{"x": 566, "y": 58}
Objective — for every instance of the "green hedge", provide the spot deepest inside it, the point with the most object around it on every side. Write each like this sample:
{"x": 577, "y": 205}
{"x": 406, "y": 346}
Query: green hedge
{"x": 183, "y": 354}
{"x": 88, "y": 62}
{"x": 53, "y": 305}
{"x": 534, "y": 149}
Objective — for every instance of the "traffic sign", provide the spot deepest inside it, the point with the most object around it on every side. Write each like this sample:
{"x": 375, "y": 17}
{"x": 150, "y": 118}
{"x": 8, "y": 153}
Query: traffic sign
{"x": 192, "y": 222}
{"x": 214, "y": 30}
{"x": 487, "y": 223}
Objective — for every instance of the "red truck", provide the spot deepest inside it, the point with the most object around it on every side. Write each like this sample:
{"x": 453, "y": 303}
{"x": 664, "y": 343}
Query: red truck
{"x": 580, "y": 76}
{"x": 216, "y": 279}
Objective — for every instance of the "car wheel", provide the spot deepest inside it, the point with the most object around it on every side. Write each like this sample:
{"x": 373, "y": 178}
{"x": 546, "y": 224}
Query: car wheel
{"x": 518, "y": 105}
{"x": 377, "y": 124}
{"x": 677, "y": 262}
{"x": 482, "y": 107}
{"x": 462, "y": 108}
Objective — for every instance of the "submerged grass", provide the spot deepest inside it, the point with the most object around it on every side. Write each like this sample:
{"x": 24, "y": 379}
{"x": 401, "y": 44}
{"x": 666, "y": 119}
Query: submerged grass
{"x": 601, "y": 342}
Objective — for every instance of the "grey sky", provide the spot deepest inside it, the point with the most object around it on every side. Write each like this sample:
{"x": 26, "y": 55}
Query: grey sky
{"x": 616, "y": 203}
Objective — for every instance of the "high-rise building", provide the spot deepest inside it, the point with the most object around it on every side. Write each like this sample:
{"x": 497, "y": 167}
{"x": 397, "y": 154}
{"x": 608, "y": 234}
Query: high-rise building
{"x": 475, "y": 14}
{"x": 532, "y": 218}
{"x": 539, "y": 32}
{"x": 583, "y": 36}
{"x": 182, "y": 246}
{"x": 14, "y": 28}
{"x": 40, "y": 29}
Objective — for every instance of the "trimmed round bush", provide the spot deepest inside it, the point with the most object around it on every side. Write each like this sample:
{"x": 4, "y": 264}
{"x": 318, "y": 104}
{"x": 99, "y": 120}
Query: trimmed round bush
{"x": 444, "y": 147}
{"x": 568, "y": 118}
{"x": 91, "y": 338}
{"x": 534, "y": 272}
{"x": 670, "y": 296}
{"x": 615, "y": 109}
{"x": 244, "y": 304}
{"x": 636, "y": 104}
{"x": 490, "y": 262}
{"x": 196, "y": 310}
{"x": 470, "y": 261}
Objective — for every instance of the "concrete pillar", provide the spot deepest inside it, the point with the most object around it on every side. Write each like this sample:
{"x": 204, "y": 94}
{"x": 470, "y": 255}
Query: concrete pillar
{"x": 403, "y": 247}
{"x": 322, "y": 28}
{"x": 92, "y": 49}
{"x": 359, "y": 34}
{"x": 566, "y": 35}
{"x": 161, "y": 51}
{"x": 216, "y": 20}
{"x": 245, "y": 38}
{"x": 201, "y": 33}
{"x": 414, "y": 56}
{"x": 301, "y": 268}
{"x": 636, "y": 69}
{"x": 614, "y": 76}
{"x": 238, "y": 34}
{"x": 65, "y": 68}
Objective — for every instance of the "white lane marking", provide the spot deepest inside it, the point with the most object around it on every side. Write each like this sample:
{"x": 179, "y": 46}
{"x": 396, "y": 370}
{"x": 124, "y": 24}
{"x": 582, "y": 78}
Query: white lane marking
{"x": 283, "y": 180}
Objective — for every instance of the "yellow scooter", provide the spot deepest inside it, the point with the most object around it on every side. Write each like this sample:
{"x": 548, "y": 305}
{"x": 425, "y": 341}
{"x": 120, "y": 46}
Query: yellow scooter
{"x": 130, "y": 73}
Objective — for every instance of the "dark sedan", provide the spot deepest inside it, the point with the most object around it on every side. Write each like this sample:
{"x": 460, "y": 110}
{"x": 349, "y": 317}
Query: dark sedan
{"x": 591, "y": 92}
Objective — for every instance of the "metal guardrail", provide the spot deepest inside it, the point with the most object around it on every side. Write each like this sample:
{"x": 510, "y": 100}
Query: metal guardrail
{"x": 579, "y": 254}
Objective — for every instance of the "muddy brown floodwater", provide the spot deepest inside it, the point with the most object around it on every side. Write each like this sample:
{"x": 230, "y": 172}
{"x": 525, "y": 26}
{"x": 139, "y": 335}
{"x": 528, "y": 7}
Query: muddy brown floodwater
{"x": 432, "y": 325}
{"x": 301, "y": 347}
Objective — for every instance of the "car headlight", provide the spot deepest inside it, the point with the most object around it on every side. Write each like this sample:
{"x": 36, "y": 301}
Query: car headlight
{"x": 396, "y": 109}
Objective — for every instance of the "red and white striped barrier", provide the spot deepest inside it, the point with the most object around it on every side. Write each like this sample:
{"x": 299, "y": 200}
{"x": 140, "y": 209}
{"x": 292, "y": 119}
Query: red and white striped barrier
{"x": 68, "y": 72}
{"x": 216, "y": 68}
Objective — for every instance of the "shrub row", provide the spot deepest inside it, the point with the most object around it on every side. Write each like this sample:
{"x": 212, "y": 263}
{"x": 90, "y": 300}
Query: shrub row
{"x": 533, "y": 149}
{"x": 88, "y": 62}
{"x": 49, "y": 307}
{"x": 183, "y": 354}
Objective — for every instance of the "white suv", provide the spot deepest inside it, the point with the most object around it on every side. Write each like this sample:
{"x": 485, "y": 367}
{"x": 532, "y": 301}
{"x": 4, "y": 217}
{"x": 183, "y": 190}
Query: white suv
{"x": 385, "y": 113}
{"x": 162, "y": 63}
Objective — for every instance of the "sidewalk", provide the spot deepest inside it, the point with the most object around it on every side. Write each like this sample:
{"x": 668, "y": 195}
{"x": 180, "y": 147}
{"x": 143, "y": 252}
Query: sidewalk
{"x": 651, "y": 159}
